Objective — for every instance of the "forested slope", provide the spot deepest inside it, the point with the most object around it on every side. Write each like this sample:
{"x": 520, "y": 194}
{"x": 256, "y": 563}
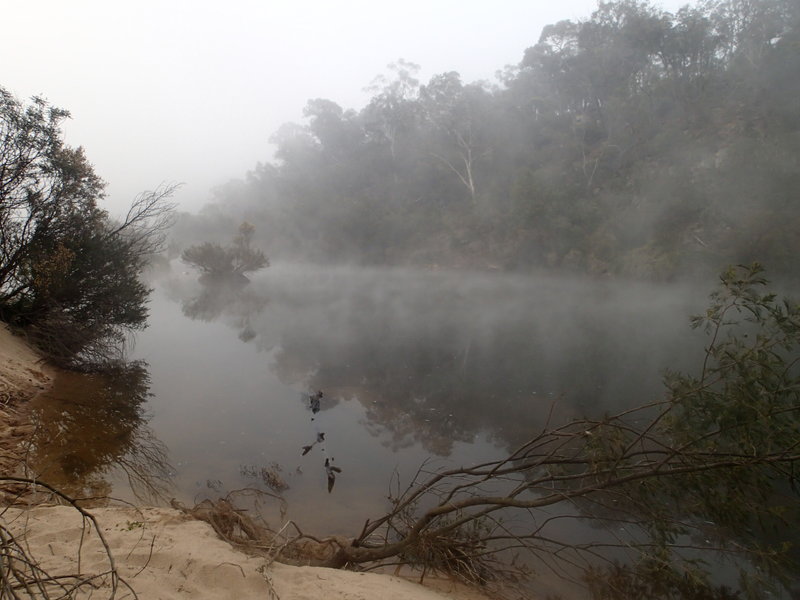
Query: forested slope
{"x": 635, "y": 142}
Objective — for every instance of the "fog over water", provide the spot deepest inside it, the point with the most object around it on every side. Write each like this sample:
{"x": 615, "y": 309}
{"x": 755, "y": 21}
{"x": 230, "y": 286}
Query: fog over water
{"x": 388, "y": 240}
{"x": 456, "y": 366}
{"x": 420, "y": 369}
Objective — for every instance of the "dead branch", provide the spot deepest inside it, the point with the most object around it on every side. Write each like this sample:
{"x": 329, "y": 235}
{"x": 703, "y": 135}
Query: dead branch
{"x": 21, "y": 574}
{"x": 148, "y": 220}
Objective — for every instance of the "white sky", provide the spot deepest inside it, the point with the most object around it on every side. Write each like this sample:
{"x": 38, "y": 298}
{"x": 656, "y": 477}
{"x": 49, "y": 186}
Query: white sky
{"x": 191, "y": 90}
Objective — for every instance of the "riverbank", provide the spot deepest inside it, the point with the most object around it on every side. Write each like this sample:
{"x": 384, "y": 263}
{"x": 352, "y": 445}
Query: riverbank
{"x": 23, "y": 374}
{"x": 158, "y": 552}
{"x": 162, "y": 553}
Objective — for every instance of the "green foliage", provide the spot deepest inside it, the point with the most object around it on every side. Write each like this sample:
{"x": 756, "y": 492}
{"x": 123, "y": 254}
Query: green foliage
{"x": 749, "y": 390}
{"x": 689, "y": 496}
{"x": 223, "y": 261}
{"x": 730, "y": 434}
{"x": 635, "y": 141}
{"x": 68, "y": 273}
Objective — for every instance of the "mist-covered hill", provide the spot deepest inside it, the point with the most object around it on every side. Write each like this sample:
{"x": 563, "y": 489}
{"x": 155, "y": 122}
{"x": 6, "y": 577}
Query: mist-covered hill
{"x": 635, "y": 142}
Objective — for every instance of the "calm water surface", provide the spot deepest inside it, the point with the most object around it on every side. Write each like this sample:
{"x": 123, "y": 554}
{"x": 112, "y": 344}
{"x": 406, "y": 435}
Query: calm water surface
{"x": 450, "y": 367}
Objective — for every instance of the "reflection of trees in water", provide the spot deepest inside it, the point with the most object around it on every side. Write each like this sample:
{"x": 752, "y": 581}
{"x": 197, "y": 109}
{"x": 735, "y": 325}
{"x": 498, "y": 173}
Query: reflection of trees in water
{"x": 89, "y": 426}
{"x": 228, "y": 295}
{"x": 424, "y": 390}
{"x": 442, "y": 382}
{"x": 436, "y": 361}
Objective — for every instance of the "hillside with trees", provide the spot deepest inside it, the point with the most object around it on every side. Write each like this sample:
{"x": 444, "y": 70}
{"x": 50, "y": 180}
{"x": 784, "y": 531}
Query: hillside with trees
{"x": 636, "y": 142}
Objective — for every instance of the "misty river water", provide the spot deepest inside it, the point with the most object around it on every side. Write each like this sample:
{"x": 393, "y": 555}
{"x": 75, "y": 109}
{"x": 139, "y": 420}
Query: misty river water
{"x": 450, "y": 367}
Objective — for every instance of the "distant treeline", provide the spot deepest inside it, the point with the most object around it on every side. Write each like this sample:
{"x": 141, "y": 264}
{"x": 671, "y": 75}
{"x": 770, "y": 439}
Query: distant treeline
{"x": 637, "y": 142}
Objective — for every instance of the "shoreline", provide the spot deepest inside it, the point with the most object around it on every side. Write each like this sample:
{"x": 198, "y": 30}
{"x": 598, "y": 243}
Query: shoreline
{"x": 163, "y": 553}
{"x": 158, "y": 552}
{"x": 23, "y": 375}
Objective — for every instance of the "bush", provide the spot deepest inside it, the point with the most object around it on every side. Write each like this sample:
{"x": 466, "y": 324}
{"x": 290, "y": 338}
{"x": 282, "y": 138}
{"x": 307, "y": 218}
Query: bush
{"x": 68, "y": 273}
{"x": 707, "y": 474}
{"x": 225, "y": 261}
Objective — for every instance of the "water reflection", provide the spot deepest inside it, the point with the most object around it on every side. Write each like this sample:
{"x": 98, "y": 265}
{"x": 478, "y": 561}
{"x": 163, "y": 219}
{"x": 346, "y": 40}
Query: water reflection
{"x": 463, "y": 366}
{"x": 225, "y": 295}
{"x": 437, "y": 359}
{"x": 92, "y": 429}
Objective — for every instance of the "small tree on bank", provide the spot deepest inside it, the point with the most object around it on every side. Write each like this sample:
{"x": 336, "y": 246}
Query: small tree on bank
{"x": 233, "y": 260}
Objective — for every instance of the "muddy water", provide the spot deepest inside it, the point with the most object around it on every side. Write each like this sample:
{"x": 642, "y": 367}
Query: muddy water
{"x": 453, "y": 368}
{"x": 92, "y": 439}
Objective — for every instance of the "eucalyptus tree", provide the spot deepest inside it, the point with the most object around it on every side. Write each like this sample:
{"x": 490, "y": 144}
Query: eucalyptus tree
{"x": 460, "y": 122}
{"x": 634, "y": 141}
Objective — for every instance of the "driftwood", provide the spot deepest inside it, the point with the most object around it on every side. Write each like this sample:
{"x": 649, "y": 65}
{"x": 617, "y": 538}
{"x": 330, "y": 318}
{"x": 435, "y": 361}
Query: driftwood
{"x": 249, "y": 531}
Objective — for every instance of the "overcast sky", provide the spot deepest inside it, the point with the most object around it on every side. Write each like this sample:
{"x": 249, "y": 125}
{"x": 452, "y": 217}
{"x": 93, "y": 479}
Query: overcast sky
{"x": 190, "y": 91}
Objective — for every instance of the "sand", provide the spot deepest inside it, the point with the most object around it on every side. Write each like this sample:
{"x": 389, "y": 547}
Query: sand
{"x": 162, "y": 553}
{"x": 159, "y": 552}
{"x": 22, "y": 376}
{"x": 22, "y": 372}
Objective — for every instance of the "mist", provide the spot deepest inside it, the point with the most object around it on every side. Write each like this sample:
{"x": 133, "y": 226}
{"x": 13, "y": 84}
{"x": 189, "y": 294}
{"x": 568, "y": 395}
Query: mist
{"x": 192, "y": 91}
{"x": 414, "y": 365}
{"x": 453, "y": 227}
{"x": 464, "y": 344}
{"x": 633, "y": 143}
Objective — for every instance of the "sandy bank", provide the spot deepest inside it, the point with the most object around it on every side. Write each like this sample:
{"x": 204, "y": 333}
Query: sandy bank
{"x": 22, "y": 376}
{"x": 159, "y": 552}
{"x": 22, "y": 373}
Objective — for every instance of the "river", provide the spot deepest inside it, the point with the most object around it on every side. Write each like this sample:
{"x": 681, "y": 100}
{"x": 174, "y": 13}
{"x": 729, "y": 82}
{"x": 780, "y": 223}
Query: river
{"x": 451, "y": 368}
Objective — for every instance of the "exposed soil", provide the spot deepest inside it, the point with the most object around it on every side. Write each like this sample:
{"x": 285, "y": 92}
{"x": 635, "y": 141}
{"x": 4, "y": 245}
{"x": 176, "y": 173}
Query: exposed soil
{"x": 23, "y": 375}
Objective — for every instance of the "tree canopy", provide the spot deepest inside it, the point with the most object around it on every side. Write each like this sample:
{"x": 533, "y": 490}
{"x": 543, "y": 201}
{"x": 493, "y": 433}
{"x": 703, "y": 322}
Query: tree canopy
{"x": 234, "y": 260}
{"x": 69, "y": 274}
{"x": 636, "y": 142}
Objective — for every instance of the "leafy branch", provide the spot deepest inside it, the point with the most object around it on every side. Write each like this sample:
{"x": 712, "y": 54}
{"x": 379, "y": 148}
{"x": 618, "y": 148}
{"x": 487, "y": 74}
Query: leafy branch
{"x": 709, "y": 470}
